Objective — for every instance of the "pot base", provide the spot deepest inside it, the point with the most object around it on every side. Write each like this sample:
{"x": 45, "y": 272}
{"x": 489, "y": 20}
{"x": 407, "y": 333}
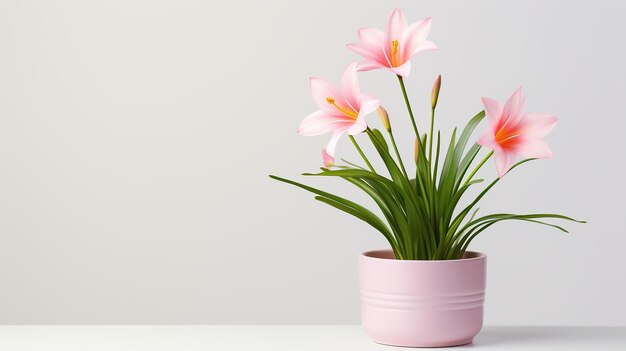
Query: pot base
{"x": 434, "y": 345}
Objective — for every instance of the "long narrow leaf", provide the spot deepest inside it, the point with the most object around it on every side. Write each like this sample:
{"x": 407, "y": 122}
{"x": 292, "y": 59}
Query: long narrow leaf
{"x": 362, "y": 212}
{"x": 371, "y": 220}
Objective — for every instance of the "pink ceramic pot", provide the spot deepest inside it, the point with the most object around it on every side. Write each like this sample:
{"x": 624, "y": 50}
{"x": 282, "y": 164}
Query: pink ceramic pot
{"x": 422, "y": 303}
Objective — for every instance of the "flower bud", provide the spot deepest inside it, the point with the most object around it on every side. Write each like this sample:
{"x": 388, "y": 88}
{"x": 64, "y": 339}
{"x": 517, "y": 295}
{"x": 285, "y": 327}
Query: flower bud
{"x": 435, "y": 94}
{"x": 329, "y": 161}
{"x": 384, "y": 117}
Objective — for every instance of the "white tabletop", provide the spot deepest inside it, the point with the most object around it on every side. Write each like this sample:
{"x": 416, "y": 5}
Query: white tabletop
{"x": 292, "y": 338}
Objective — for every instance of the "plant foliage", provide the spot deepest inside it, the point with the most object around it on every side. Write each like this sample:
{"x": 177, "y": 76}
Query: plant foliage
{"x": 422, "y": 219}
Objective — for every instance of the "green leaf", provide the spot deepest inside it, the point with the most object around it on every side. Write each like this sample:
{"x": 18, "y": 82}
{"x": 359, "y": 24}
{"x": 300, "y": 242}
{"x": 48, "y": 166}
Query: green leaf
{"x": 459, "y": 218}
{"x": 480, "y": 224}
{"x": 465, "y": 135}
{"x": 346, "y": 206}
{"x": 352, "y": 164}
{"x": 381, "y": 139}
{"x": 389, "y": 205}
{"x": 447, "y": 164}
{"x": 369, "y": 218}
{"x": 394, "y": 171}
{"x": 466, "y": 162}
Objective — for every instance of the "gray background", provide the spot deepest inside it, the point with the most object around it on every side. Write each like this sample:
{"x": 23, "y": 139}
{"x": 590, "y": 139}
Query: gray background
{"x": 136, "y": 138}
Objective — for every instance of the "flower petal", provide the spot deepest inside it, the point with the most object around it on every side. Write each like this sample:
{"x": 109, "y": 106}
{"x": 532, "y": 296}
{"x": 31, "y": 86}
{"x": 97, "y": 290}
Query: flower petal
{"x": 534, "y": 148}
{"x": 487, "y": 138}
{"x": 322, "y": 89}
{"x": 350, "y": 86}
{"x": 370, "y": 52}
{"x": 372, "y": 36}
{"x": 358, "y": 127}
{"x": 396, "y": 25}
{"x": 319, "y": 122}
{"x": 493, "y": 110}
{"x": 402, "y": 70}
{"x": 368, "y": 65}
{"x": 415, "y": 36}
{"x": 504, "y": 161}
{"x": 424, "y": 46}
{"x": 368, "y": 105}
{"x": 513, "y": 109}
{"x": 332, "y": 143}
{"x": 538, "y": 124}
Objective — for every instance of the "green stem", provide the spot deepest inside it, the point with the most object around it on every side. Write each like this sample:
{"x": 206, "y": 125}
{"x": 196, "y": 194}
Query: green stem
{"x": 358, "y": 148}
{"x": 430, "y": 143}
{"x": 408, "y": 106}
{"x": 395, "y": 147}
{"x": 469, "y": 178}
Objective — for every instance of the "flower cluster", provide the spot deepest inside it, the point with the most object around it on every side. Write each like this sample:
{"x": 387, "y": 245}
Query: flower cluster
{"x": 342, "y": 109}
{"x": 419, "y": 205}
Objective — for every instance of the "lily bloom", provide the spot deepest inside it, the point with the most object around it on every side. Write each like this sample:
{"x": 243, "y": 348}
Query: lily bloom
{"x": 342, "y": 110}
{"x": 393, "y": 48}
{"x": 513, "y": 132}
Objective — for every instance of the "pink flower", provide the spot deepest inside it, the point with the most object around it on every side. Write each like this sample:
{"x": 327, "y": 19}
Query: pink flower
{"x": 512, "y": 132}
{"x": 394, "y": 48}
{"x": 342, "y": 110}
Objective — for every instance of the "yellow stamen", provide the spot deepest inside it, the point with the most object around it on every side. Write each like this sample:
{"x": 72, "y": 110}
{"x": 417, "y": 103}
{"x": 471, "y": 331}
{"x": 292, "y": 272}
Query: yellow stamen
{"x": 394, "y": 52}
{"x": 349, "y": 113}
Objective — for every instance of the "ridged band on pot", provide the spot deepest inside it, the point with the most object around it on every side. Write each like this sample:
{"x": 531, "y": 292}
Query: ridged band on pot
{"x": 422, "y": 303}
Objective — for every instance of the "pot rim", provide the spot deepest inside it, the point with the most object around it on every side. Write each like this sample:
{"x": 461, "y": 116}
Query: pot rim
{"x": 372, "y": 255}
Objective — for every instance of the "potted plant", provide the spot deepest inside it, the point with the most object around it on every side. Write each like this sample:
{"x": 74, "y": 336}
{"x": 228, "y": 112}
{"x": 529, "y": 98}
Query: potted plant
{"x": 427, "y": 290}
